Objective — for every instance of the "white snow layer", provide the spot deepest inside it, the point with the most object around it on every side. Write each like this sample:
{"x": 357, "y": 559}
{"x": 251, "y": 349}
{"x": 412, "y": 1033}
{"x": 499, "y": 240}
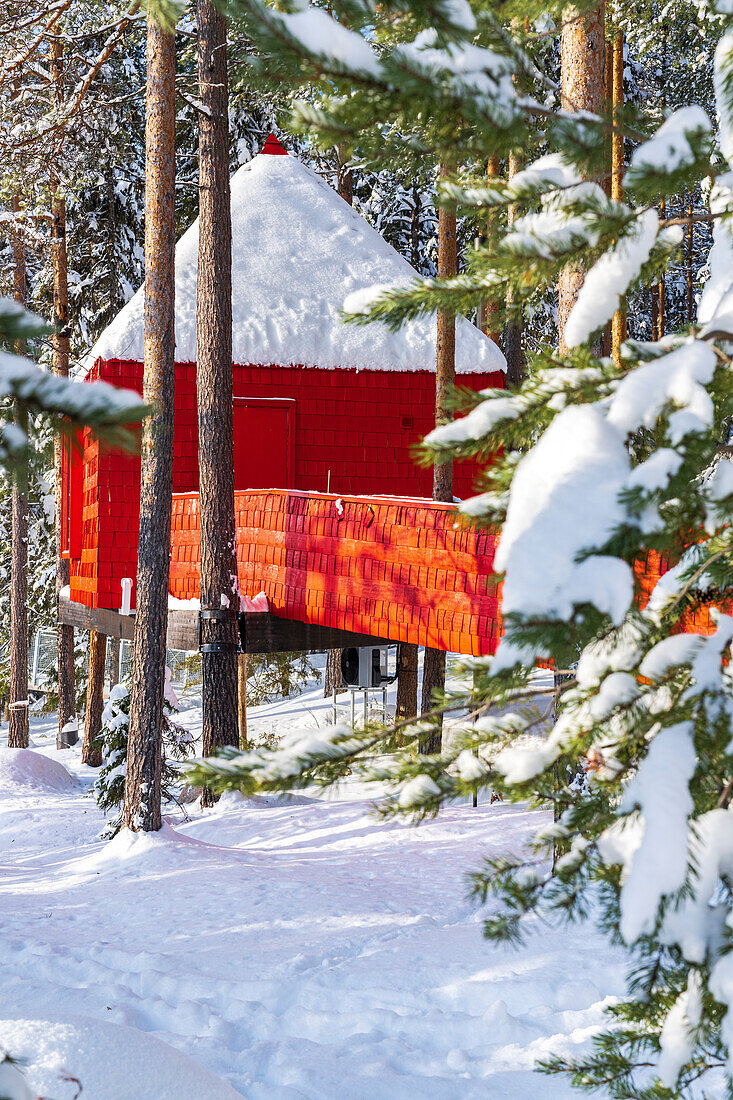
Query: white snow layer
{"x": 564, "y": 498}
{"x": 609, "y": 279}
{"x": 298, "y": 250}
{"x": 669, "y": 149}
{"x": 715, "y": 310}
{"x": 23, "y": 769}
{"x": 678, "y": 1039}
{"x": 321, "y": 34}
{"x": 652, "y": 847}
{"x": 676, "y": 378}
{"x": 278, "y": 948}
{"x": 111, "y": 1061}
{"x": 723, "y": 63}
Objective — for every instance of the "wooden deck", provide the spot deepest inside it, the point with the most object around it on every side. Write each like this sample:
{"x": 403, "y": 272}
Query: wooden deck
{"x": 261, "y": 632}
{"x": 400, "y": 569}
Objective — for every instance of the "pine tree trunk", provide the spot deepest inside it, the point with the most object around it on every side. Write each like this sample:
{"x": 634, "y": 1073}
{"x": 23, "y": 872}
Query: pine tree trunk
{"x": 214, "y": 380}
{"x": 332, "y": 680}
{"x": 113, "y": 644}
{"x": 242, "y": 671}
{"x": 661, "y": 318}
{"x": 618, "y": 323}
{"x": 433, "y": 680}
{"x": 415, "y": 227}
{"x": 513, "y": 334}
{"x": 582, "y": 63}
{"x": 690, "y": 296}
{"x": 111, "y": 243}
{"x": 608, "y": 150}
{"x": 114, "y": 662}
{"x": 67, "y": 734}
{"x": 488, "y": 311}
{"x": 445, "y": 373}
{"x": 407, "y": 656}
{"x": 144, "y": 749}
{"x": 91, "y": 752}
{"x": 18, "y": 710}
{"x": 346, "y": 184}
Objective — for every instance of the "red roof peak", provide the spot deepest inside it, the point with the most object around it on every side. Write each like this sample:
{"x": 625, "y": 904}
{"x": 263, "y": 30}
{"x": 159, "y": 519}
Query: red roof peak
{"x": 273, "y": 147}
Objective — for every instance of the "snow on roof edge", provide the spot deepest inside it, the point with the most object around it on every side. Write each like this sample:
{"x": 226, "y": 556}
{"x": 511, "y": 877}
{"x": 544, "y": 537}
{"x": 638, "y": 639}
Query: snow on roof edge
{"x": 288, "y": 287}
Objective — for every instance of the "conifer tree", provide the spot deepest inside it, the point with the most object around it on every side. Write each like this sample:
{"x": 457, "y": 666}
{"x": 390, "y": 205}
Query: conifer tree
{"x": 142, "y": 808}
{"x": 67, "y": 722}
{"x": 214, "y": 378}
{"x": 602, "y": 471}
{"x": 18, "y": 722}
{"x": 433, "y": 678}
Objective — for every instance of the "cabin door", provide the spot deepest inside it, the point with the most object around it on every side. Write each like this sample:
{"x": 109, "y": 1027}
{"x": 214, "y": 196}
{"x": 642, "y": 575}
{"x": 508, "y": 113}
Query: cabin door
{"x": 264, "y": 442}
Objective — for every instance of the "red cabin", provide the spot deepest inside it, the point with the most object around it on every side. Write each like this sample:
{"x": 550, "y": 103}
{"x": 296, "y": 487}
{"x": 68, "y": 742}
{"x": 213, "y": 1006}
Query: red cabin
{"x": 318, "y": 405}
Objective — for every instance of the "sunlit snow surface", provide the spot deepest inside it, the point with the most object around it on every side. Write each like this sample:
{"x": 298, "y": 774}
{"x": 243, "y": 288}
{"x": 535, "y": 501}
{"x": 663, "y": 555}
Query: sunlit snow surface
{"x": 278, "y": 950}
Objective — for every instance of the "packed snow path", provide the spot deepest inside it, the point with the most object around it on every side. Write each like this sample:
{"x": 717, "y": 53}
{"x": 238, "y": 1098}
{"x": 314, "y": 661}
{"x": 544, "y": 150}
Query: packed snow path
{"x": 284, "y": 950}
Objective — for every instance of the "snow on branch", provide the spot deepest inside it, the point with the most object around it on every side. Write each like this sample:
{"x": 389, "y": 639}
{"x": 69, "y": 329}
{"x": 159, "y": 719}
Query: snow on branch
{"x": 609, "y": 279}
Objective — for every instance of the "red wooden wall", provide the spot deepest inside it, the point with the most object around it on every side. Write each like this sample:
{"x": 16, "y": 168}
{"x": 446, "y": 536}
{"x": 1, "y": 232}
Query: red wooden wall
{"x": 396, "y": 568}
{"x": 359, "y": 425}
{"x": 651, "y": 570}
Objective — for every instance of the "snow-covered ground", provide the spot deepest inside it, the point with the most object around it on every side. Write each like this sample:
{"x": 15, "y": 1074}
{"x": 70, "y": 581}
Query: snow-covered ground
{"x": 272, "y": 949}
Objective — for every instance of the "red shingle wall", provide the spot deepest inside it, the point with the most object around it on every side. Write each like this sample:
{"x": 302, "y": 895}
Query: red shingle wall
{"x": 651, "y": 570}
{"x": 360, "y": 425}
{"x": 395, "y": 568}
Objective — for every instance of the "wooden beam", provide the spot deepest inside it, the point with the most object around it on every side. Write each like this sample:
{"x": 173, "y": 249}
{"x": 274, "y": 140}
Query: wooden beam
{"x": 266, "y": 633}
{"x": 106, "y": 622}
{"x": 263, "y": 632}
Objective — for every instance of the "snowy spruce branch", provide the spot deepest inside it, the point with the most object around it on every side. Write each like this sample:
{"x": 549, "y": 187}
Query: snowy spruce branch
{"x": 599, "y": 472}
{"x": 111, "y": 413}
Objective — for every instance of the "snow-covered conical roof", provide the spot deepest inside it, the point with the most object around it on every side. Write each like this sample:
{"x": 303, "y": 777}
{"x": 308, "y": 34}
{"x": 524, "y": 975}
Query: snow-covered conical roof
{"x": 298, "y": 249}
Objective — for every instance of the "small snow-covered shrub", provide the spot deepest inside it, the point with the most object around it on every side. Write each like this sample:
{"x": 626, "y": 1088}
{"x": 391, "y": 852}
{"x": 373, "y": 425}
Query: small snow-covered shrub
{"x": 109, "y": 786}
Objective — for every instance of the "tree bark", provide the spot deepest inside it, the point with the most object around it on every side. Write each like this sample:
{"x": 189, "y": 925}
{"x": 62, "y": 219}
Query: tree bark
{"x": 654, "y": 303}
{"x": 144, "y": 748}
{"x": 346, "y": 184}
{"x": 67, "y": 733}
{"x": 407, "y": 657}
{"x": 332, "y": 680}
{"x": 618, "y": 322}
{"x": 582, "y": 77}
{"x": 488, "y": 311}
{"x": 606, "y": 180}
{"x": 661, "y": 318}
{"x": 214, "y": 381}
{"x": 242, "y": 670}
{"x": 513, "y": 335}
{"x": 18, "y": 710}
{"x": 689, "y": 295}
{"x": 445, "y": 373}
{"x": 114, "y": 662}
{"x": 415, "y": 227}
{"x": 433, "y": 680}
{"x": 91, "y": 752}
